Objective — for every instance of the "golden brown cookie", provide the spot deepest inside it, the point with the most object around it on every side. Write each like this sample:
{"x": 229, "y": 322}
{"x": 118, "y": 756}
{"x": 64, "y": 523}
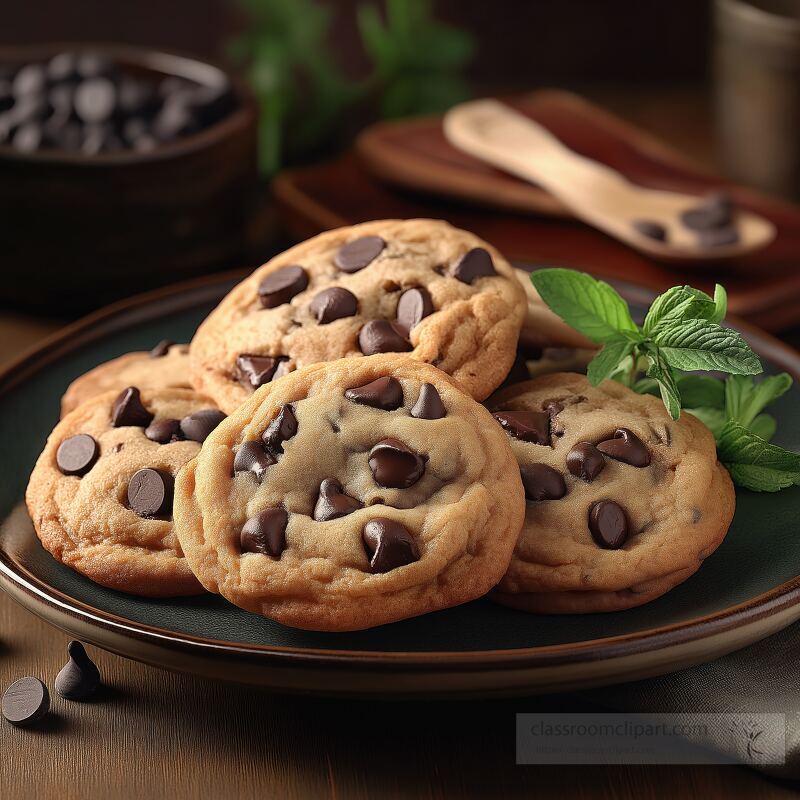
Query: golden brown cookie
{"x": 351, "y": 494}
{"x": 419, "y": 286}
{"x": 623, "y": 503}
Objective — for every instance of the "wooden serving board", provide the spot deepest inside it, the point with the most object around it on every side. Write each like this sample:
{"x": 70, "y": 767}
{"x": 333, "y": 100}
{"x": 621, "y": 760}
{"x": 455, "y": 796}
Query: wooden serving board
{"x": 529, "y": 225}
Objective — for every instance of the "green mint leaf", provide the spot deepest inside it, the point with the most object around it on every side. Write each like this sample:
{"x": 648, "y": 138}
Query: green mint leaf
{"x": 609, "y": 360}
{"x": 745, "y": 399}
{"x": 720, "y": 304}
{"x": 590, "y": 306}
{"x": 668, "y": 388}
{"x": 701, "y": 390}
{"x": 764, "y": 425}
{"x": 677, "y": 304}
{"x": 713, "y": 418}
{"x": 646, "y": 386}
{"x": 700, "y": 344}
{"x": 755, "y": 463}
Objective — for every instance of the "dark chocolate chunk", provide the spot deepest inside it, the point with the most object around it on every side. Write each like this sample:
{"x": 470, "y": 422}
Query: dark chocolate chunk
{"x": 542, "y": 482}
{"x": 283, "y": 427}
{"x": 529, "y": 426}
{"x": 716, "y": 211}
{"x": 162, "y": 348}
{"x": 394, "y": 465}
{"x": 26, "y": 701}
{"x": 281, "y": 286}
{"x": 650, "y": 229}
{"x": 608, "y": 524}
{"x": 476, "y": 263}
{"x": 265, "y": 532}
{"x": 77, "y": 455}
{"x": 197, "y": 426}
{"x": 388, "y": 544}
{"x": 718, "y": 237}
{"x": 585, "y": 461}
{"x": 412, "y": 307}
{"x": 333, "y": 503}
{"x": 79, "y": 678}
{"x": 95, "y": 99}
{"x": 697, "y": 515}
{"x": 334, "y": 303}
{"x": 627, "y": 447}
{"x": 384, "y": 393}
{"x": 359, "y": 253}
{"x": 258, "y": 370}
{"x": 128, "y": 410}
{"x": 382, "y": 336}
{"x": 150, "y": 492}
{"x": 164, "y": 431}
{"x": 252, "y": 457}
{"x": 429, "y": 404}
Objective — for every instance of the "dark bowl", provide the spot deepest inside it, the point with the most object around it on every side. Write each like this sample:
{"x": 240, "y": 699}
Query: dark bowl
{"x": 77, "y": 231}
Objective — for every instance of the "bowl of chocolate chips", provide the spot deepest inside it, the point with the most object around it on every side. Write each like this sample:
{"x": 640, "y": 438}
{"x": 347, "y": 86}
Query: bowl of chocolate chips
{"x": 123, "y": 168}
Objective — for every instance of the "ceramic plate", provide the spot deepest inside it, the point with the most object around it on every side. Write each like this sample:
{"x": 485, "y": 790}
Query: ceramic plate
{"x": 748, "y": 589}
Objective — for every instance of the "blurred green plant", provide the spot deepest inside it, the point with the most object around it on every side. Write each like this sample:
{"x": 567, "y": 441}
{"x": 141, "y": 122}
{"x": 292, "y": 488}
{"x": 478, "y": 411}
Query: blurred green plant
{"x": 415, "y": 68}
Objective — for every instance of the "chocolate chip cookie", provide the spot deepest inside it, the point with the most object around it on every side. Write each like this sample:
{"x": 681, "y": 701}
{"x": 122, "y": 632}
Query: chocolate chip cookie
{"x": 623, "y": 503}
{"x": 351, "y": 494}
{"x": 415, "y": 286}
{"x": 100, "y": 495}
{"x": 166, "y": 366}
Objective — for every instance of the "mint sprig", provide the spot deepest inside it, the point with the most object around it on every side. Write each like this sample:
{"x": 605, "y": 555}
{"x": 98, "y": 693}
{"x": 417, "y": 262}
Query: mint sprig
{"x": 755, "y": 463}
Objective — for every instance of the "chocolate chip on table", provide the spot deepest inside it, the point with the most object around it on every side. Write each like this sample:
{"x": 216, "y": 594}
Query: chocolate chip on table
{"x": 197, "y": 426}
{"x": 382, "y": 336}
{"x": 265, "y": 532}
{"x": 529, "y": 426}
{"x": 332, "y": 304}
{"x": 716, "y": 211}
{"x": 383, "y": 393}
{"x": 77, "y": 454}
{"x": 412, "y": 307}
{"x": 608, "y": 524}
{"x": 718, "y": 237}
{"x": 282, "y": 428}
{"x": 388, "y": 544}
{"x": 162, "y": 348}
{"x": 359, "y": 253}
{"x": 252, "y": 457}
{"x": 333, "y": 503}
{"x": 128, "y": 410}
{"x": 258, "y": 370}
{"x": 627, "y": 447}
{"x": 542, "y": 482}
{"x": 476, "y": 263}
{"x": 79, "y": 678}
{"x": 150, "y": 492}
{"x": 585, "y": 461}
{"x": 26, "y": 701}
{"x": 394, "y": 465}
{"x": 429, "y": 404}
{"x": 164, "y": 431}
{"x": 650, "y": 229}
{"x": 281, "y": 286}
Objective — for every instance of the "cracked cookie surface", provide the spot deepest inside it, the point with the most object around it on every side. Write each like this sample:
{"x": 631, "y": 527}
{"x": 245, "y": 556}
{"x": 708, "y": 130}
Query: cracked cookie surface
{"x": 420, "y": 286}
{"x": 350, "y": 494}
{"x": 623, "y": 503}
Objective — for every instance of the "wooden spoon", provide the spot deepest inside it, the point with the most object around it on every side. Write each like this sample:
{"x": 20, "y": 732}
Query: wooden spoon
{"x": 595, "y": 193}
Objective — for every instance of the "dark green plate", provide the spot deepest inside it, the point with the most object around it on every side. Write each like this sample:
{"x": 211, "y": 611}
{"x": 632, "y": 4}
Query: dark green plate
{"x": 746, "y": 590}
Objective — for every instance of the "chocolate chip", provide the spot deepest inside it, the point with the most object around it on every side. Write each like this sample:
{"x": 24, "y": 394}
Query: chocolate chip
{"x": 161, "y": 349}
{"x": 79, "y": 678}
{"x": 384, "y": 393}
{"x": 382, "y": 336}
{"x": 608, "y": 524}
{"x": 26, "y": 701}
{"x": 716, "y": 211}
{"x": 150, "y": 492}
{"x": 258, "y": 370}
{"x": 412, "y": 307}
{"x": 198, "y": 426}
{"x": 333, "y": 303}
{"x": 650, "y": 229}
{"x": 429, "y": 404}
{"x": 394, "y": 465}
{"x": 697, "y": 515}
{"x": 359, "y": 253}
{"x": 627, "y": 447}
{"x": 333, "y": 503}
{"x": 128, "y": 410}
{"x": 265, "y": 532}
{"x": 252, "y": 457}
{"x": 476, "y": 263}
{"x": 585, "y": 461}
{"x": 164, "y": 431}
{"x": 529, "y": 426}
{"x": 719, "y": 237}
{"x": 389, "y": 544}
{"x": 283, "y": 427}
{"x": 77, "y": 455}
{"x": 281, "y": 286}
{"x": 542, "y": 482}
